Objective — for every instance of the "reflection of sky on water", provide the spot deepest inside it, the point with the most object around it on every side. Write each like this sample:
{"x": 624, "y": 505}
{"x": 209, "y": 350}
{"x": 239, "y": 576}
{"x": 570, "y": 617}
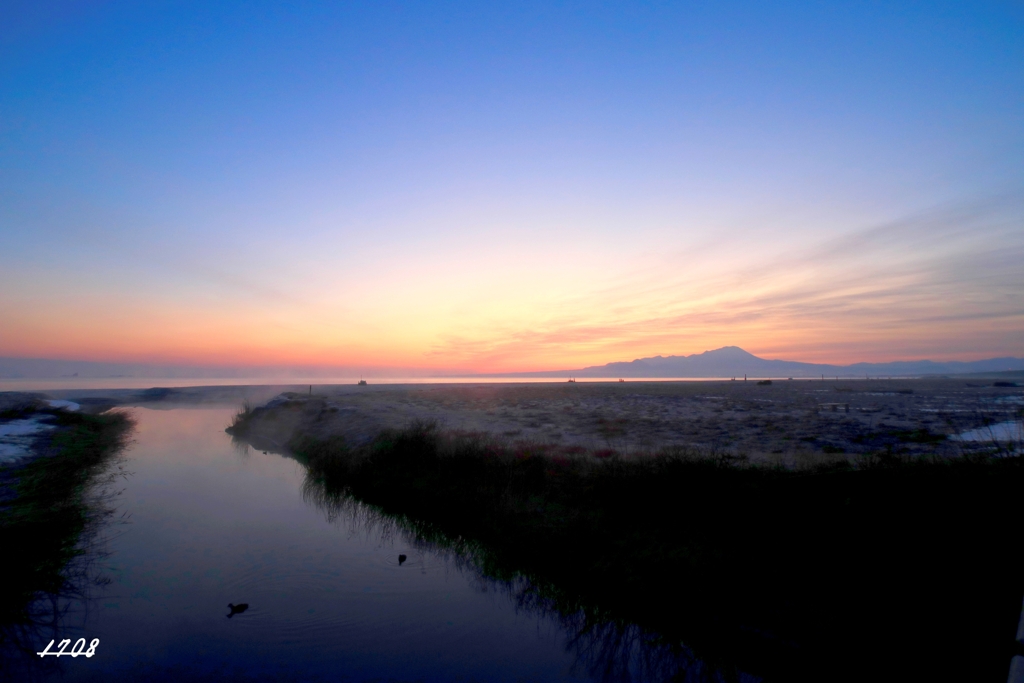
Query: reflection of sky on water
{"x": 1002, "y": 431}
{"x": 211, "y": 525}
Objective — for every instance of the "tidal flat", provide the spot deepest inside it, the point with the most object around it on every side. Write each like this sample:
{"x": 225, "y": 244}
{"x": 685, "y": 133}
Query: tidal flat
{"x": 792, "y": 423}
{"x": 706, "y": 531}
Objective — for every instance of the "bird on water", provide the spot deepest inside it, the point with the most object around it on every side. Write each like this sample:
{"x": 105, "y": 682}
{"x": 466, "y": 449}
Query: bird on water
{"x": 237, "y": 609}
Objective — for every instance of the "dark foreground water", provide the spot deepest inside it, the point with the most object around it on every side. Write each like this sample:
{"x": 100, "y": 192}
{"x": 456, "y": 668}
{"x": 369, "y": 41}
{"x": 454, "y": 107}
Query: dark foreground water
{"x": 201, "y": 524}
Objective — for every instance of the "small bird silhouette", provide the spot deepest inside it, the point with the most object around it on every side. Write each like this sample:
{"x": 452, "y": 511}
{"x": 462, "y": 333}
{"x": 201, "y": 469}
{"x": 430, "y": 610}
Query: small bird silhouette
{"x": 401, "y": 560}
{"x": 237, "y": 609}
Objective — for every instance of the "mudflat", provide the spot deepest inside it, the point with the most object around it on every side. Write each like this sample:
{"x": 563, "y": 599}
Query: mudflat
{"x": 790, "y": 422}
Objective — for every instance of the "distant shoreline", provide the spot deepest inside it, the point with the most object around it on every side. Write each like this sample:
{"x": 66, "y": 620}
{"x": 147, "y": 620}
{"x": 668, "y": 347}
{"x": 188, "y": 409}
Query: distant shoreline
{"x": 715, "y": 365}
{"x": 126, "y": 383}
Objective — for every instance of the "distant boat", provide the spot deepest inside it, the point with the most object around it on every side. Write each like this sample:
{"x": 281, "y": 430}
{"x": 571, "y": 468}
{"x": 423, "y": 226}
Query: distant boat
{"x": 362, "y": 382}
{"x": 621, "y": 380}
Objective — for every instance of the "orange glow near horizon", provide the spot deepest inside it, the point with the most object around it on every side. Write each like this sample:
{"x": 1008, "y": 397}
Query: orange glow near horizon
{"x": 891, "y": 299}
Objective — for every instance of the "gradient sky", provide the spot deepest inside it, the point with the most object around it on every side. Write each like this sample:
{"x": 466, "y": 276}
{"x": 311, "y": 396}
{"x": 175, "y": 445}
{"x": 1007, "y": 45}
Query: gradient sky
{"x": 497, "y": 186}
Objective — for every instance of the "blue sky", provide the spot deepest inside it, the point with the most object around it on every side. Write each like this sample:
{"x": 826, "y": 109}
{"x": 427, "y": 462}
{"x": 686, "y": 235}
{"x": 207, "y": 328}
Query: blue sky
{"x": 513, "y": 187}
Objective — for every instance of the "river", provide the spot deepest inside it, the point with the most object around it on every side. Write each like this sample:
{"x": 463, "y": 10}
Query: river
{"x": 201, "y": 523}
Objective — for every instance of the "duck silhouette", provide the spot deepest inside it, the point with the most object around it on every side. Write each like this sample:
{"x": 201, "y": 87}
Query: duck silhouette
{"x": 401, "y": 560}
{"x": 237, "y": 609}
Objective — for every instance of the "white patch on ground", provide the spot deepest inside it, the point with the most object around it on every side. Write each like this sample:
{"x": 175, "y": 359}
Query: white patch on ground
{"x": 962, "y": 410}
{"x": 1004, "y": 431}
{"x": 16, "y": 438}
{"x": 65, "y": 405}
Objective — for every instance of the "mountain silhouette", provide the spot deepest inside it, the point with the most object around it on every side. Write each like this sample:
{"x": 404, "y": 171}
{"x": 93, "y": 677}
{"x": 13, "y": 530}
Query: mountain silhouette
{"x": 732, "y": 361}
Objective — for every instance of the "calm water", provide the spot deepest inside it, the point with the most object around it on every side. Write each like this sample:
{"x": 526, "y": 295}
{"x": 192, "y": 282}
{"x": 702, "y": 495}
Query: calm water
{"x": 210, "y": 525}
{"x": 78, "y": 384}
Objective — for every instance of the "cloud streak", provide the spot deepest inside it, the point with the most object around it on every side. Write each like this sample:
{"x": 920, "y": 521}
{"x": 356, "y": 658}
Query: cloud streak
{"x": 938, "y": 279}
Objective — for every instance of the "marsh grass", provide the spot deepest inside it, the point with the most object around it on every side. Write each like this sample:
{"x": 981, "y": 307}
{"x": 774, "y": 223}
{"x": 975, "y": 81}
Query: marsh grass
{"x": 241, "y": 419}
{"x": 48, "y": 519}
{"x": 893, "y": 566}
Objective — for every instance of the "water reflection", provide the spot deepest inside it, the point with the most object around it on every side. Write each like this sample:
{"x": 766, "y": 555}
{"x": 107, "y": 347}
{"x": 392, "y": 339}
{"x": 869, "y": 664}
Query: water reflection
{"x": 1012, "y": 432}
{"x": 608, "y": 650}
{"x": 604, "y": 649}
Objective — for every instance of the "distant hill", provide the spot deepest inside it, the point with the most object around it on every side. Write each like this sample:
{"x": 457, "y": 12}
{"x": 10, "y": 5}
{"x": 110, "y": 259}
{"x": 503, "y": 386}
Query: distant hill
{"x": 728, "y": 361}
{"x": 732, "y": 361}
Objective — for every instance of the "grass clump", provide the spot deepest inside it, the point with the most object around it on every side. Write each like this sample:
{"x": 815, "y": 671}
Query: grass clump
{"x": 240, "y": 421}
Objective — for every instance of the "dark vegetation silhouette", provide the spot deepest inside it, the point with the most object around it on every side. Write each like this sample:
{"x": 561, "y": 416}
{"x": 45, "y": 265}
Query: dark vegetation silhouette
{"x": 893, "y": 569}
{"x": 51, "y": 511}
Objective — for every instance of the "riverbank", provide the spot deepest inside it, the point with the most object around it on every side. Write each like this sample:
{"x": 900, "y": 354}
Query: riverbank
{"x": 895, "y": 564}
{"x": 45, "y": 504}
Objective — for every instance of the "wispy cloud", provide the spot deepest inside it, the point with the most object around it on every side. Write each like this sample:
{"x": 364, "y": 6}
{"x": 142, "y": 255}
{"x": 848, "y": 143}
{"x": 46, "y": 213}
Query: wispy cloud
{"x": 950, "y": 273}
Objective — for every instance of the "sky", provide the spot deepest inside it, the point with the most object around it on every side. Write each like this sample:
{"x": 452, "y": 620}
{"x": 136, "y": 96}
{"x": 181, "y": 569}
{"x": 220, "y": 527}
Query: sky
{"x": 510, "y": 186}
